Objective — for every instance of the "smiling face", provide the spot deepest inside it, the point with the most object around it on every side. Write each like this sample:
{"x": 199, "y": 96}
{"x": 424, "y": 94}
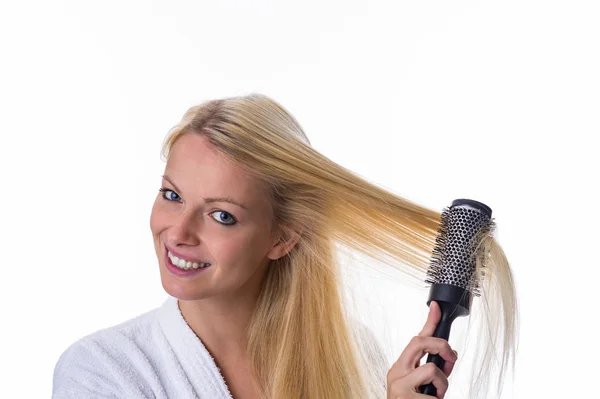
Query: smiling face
{"x": 237, "y": 242}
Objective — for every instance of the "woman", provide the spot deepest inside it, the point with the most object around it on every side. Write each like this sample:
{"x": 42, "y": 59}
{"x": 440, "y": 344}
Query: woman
{"x": 245, "y": 227}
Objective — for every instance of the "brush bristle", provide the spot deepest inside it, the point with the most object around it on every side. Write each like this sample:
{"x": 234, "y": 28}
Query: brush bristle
{"x": 454, "y": 258}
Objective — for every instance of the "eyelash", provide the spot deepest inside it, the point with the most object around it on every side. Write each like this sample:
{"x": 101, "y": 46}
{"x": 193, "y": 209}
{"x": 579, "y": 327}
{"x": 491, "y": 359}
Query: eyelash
{"x": 164, "y": 189}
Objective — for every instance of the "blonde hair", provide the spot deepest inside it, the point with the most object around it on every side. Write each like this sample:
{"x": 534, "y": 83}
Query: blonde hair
{"x": 300, "y": 342}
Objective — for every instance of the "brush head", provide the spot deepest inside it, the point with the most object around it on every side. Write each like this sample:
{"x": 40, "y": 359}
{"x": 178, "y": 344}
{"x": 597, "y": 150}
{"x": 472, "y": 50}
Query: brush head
{"x": 452, "y": 271}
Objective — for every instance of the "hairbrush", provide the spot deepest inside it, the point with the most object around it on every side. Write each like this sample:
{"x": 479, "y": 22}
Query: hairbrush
{"x": 452, "y": 272}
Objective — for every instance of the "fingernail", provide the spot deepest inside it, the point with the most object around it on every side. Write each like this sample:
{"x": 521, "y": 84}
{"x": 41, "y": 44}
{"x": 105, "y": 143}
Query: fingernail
{"x": 455, "y": 354}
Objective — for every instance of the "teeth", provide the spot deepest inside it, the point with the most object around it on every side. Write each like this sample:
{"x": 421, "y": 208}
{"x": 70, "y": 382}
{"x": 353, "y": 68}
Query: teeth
{"x": 186, "y": 265}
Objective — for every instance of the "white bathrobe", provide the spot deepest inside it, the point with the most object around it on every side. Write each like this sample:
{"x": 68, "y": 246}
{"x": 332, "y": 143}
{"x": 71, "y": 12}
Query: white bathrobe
{"x": 155, "y": 355}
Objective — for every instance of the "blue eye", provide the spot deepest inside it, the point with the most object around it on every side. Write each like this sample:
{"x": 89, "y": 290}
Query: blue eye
{"x": 164, "y": 191}
{"x": 233, "y": 221}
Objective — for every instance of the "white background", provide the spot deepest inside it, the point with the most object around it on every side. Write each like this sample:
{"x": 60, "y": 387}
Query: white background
{"x": 435, "y": 100}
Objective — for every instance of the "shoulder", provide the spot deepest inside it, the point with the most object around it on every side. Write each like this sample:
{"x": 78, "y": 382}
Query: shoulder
{"x": 100, "y": 365}
{"x": 80, "y": 373}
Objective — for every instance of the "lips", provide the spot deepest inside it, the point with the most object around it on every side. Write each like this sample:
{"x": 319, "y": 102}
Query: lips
{"x": 183, "y": 256}
{"x": 179, "y": 272}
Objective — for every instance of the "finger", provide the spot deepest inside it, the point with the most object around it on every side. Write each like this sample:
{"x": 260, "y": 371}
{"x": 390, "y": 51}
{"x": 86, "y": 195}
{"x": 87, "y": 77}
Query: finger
{"x": 449, "y": 364}
{"x": 417, "y": 348}
{"x": 428, "y": 374}
{"x": 428, "y": 345}
{"x": 433, "y": 318}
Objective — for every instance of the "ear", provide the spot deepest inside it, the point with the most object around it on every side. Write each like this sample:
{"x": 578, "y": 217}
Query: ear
{"x": 284, "y": 245}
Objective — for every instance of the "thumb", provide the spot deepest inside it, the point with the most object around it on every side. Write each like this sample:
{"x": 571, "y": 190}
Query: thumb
{"x": 433, "y": 319}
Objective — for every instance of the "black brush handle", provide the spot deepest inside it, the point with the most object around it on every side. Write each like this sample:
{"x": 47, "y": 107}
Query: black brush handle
{"x": 449, "y": 313}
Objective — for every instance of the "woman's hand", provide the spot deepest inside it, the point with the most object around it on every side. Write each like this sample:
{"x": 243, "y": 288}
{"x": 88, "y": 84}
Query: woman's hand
{"x": 406, "y": 375}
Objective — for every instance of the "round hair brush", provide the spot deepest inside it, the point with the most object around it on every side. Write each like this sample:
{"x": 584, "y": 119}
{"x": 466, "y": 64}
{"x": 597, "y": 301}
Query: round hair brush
{"x": 453, "y": 273}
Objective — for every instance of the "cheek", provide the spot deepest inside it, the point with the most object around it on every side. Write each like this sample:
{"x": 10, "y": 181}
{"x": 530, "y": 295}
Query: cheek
{"x": 157, "y": 219}
{"x": 247, "y": 248}
{"x": 227, "y": 248}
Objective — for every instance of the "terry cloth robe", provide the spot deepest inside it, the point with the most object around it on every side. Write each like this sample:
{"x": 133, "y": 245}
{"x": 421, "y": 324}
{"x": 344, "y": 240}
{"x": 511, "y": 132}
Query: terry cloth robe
{"x": 155, "y": 355}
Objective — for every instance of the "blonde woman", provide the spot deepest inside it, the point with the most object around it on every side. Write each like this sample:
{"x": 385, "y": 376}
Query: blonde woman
{"x": 245, "y": 227}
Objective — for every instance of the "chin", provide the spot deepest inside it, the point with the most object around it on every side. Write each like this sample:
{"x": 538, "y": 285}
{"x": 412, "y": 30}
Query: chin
{"x": 181, "y": 289}
{"x": 183, "y": 293}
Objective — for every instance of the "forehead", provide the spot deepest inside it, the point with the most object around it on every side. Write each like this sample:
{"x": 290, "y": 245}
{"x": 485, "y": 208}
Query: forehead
{"x": 199, "y": 169}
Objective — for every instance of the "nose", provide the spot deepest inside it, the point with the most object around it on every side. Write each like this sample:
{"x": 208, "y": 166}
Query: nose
{"x": 184, "y": 230}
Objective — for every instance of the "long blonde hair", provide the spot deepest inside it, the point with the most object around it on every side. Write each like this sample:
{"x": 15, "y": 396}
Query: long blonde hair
{"x": 300, "y": 341}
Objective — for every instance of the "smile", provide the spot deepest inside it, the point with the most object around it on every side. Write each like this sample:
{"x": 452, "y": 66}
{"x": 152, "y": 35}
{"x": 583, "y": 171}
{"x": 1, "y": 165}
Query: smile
{"x": 186, "y": 264}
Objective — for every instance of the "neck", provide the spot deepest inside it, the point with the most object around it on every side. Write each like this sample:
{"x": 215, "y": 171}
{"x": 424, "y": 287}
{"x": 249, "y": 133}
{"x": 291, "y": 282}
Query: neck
{"x": 220, "y": 323}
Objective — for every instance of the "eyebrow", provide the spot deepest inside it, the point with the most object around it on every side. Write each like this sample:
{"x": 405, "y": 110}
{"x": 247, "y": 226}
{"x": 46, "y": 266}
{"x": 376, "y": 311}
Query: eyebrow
{"x": 210, "y": 199}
